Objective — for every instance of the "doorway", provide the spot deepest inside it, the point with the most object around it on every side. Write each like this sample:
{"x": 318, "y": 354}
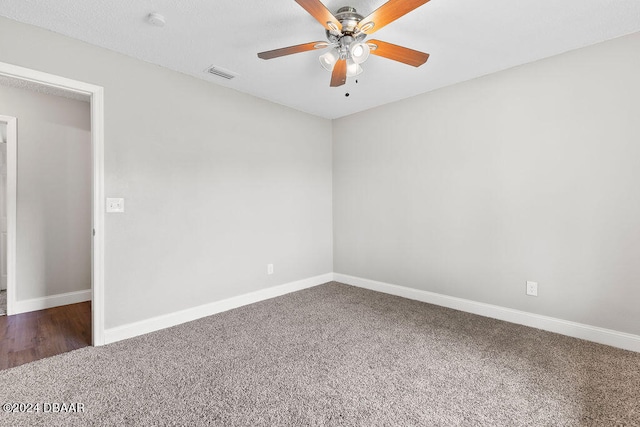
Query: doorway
{"x": 95, "y": 96}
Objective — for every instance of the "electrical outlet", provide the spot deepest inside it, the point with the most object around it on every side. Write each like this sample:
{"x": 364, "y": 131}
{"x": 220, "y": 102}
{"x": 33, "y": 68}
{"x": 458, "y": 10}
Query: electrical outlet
{"x": 532, "y": 289}
{"x": 269, "y": 268}
{"x": 115, "y": 205}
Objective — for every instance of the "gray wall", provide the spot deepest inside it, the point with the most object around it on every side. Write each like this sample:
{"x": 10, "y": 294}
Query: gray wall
{"x": 527, "y": 174}
{"x": 217, "y": 184}
{"x": 54, "y": 192}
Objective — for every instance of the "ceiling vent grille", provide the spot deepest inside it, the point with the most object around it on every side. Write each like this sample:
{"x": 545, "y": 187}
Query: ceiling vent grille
{"x": 221, "y": 72}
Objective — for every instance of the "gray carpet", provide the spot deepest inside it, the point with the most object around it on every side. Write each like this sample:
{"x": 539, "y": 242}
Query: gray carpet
{"x": 336, "y": 355}
{"x": 3, "y": 303}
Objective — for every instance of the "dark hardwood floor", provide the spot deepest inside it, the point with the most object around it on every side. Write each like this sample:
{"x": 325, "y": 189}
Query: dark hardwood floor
{"x": 32, "y": 336}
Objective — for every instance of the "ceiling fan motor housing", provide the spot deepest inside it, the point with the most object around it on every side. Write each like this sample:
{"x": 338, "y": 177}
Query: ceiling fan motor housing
{"x": 349, "y": 19}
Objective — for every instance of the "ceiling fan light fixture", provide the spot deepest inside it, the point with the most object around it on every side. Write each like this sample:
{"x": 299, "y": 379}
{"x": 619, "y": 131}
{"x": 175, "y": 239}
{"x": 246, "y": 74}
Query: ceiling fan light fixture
{"x": 353, "y": 68}
{"x": 359, "y": 52}
{"x": 328, "y": 59}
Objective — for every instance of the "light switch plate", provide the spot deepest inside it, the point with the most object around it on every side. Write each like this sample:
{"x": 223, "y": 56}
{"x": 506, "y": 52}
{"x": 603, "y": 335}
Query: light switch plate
{"x": 115, "y": 205}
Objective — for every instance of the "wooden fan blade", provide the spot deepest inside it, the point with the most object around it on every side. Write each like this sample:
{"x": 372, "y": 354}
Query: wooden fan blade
{"x": 398, "y": 53}
{"x": 339, "y": 74}
{"x": 321, "y": 13}
{"x": 389, "y": 12}
{"x": 270, "y": 54}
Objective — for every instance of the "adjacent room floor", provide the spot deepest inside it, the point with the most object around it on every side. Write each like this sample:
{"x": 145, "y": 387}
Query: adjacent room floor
{"x": 32, "y": 336}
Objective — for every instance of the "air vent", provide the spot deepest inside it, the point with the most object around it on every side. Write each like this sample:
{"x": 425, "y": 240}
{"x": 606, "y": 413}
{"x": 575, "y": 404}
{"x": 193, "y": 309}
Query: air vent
{"x": 221, "y": 72}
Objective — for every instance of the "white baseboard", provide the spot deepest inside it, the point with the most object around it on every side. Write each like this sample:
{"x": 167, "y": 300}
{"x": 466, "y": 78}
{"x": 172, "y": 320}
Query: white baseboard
{"x": 50, "y": 301}
{"x": 172, "y": 319}
{"x": 573, "y": 329}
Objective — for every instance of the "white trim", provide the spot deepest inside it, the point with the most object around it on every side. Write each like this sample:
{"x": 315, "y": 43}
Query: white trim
{"x": 97, "y": 147}
{"x": 573, "y": 329}
{"x": 46, "y": 79}
{"x": 172, "y": 319}
{"x": 11, "y": 201}
{"x": 34, "y": 304}
{"x": 97, "y": 248}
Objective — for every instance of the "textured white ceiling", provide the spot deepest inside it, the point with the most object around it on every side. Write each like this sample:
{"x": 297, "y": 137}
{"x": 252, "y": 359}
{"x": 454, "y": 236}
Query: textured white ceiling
{"x": 466, "y": 39}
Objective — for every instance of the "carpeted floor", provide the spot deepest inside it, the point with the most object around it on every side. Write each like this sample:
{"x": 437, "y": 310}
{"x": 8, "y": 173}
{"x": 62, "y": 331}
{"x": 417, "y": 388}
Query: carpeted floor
{"x": 3, "y": 303}
{"x": 336, "y": 355}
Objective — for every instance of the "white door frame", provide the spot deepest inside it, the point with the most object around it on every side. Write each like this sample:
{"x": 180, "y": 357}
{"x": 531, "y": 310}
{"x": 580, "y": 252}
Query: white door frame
{"x": 96, "y": 94}
{"x": 10, "y": 204}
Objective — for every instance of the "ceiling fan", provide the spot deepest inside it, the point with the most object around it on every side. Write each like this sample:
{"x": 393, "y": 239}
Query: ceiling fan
{"x": 346, "y": 31}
